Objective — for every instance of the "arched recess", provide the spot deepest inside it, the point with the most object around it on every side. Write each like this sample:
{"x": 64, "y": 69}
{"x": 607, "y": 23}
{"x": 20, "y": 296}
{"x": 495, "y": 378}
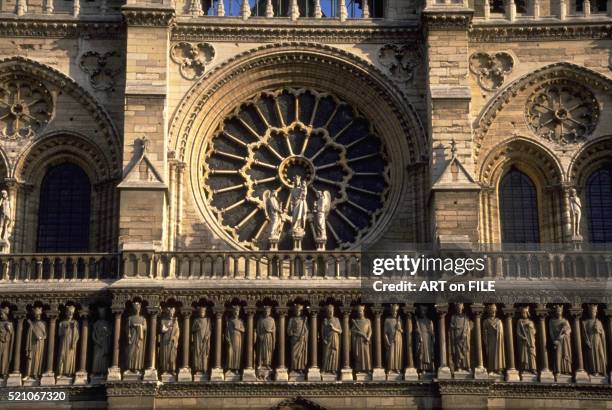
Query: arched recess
{"x": 592, "y": 157}
{"x": 324, "y": 69}
{"x": 33, "y": 164}
{"x": 544, "y": 171}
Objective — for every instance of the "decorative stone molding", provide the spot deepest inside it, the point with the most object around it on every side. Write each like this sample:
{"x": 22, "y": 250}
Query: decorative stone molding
{"x": 148, "y": 16}
{"x": 490, "y": 70}
{"x": 400, "y": 60}
{"x": 557, "y": 32}
{"x": 565, "y": 71}
{"x": 446, "y": 20}
{"x": 562, "y": 111}
{"x": 62, "y": 29}
{"x": 591, "y": 156}
{"x": 192, "y": 58}
{"x": 26, "y": 106}
{"x": 101, "y": 68}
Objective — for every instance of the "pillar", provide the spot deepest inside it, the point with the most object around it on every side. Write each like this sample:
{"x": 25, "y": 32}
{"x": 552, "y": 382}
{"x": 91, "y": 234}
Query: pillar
{"x": 216, "y": 373}
{"x": 443, "y": 370}
{"x": 546, "y": 376}
{"x": 479, "y": 371}
{"x": 346, "y": 374}
{"x": 379, "y": 371}
{"x": 512, "y": 375}
{"x": 14, "y": 378}
{"x": 314, "y": 373}
{"x": 281, "y": 373}
{"x": 580, "y": 376}
{"x": 184, "y": 374}
{"x": 114, "y": 372}
{"x": 48, "y": 378}
{"x": 81, "y": 374}
{"x": 248, "y": 374}
{"x": 151, "y": 371}
{"x": 410, "y": 373}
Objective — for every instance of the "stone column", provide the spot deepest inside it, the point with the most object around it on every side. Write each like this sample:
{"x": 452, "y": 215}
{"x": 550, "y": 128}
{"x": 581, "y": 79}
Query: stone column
{"x": 184, "y": 374}
{"x": 443, "y": 370}
{"x": 346, "y": 374}
{"x": 48, "y": 378}
{"x": 580, "y": 376}
{"x": 546, "y": 376}
{"x": 479, "y": 371}
{"x": 151, "y": 372}
{"x": 114, "y": 372}
{"x": 512, "y": 375}
{"x": 378, "y": 372}
{"x": 14, "y": 378}
{"x": 314, "y": 373}
{"x": 410, "y": 373}
{"x": 281, "y": 373}
{"x": 216, "y": 373}
{"x": 81, "y": 375}
{"x": 248, "y": 374}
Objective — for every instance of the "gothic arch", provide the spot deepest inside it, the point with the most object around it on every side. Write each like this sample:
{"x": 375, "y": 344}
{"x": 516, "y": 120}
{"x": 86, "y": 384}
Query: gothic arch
{"x": 564, "y": 70}
{"x": 299, "y": 66}
{"x": 590, "y": 157}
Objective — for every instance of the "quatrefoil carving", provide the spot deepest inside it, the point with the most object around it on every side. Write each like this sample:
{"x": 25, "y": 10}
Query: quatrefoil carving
{"x": 400, "y": 60}
{"x": 491, "y": 69}
{"x": 192, "y": 58}
{"x": 102, "y": 68}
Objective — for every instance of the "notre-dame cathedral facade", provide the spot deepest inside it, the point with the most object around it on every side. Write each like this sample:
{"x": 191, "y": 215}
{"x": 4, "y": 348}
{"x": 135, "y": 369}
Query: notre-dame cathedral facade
{"x": 187, "y": 187}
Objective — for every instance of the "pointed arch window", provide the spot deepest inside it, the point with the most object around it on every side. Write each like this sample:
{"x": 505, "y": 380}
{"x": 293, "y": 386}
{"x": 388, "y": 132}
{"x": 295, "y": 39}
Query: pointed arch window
{"x": 599, "y": 205}
{"x": 64, "y": 210}
{"x": 518, "y": 208}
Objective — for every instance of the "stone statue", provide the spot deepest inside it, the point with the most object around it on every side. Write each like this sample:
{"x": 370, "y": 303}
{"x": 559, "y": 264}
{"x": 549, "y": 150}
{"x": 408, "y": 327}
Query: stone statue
{"x": 35, "y": 344}
{"x": 493, "y": 336}
{"x": 137, "y": 336}
{"x": 526, "y": 342}
{"x": 595, "y": 342}
{"x": 7, "y": 334}
{"x": 393, "y": 336}
{"x": 297, "y": 330}
{"x": 424, "y": 341}
{"x": 68, "y": 333}
{"x": 200, "y": 339}
{"x": 5, "y": 215}
{"x": 274, "y": 214}
{"x": 560, "y": 333}
{"x": 101, "y": 339}
{"x": 266, "y": 339}
{"x": 576, "y": 210}
{"x": 330, "y": 334}
{"x": 168, "y": 341}
{"x": 460, "y": 328}
{"x": 299, "y": 206}
{"x": 322, "y": 208}
{"x": 361, "y": 333}
{"x": 234, "y": 332}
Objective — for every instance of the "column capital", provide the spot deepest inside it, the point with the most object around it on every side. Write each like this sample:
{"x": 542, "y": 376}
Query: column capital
{"x": 281, "y": 310}
{"x": 250, "y": 309}
{"x": 117, "y": 309}
{"x": 218, "y": 310}
{"x": 377, "y": 309}
{"x": 346, "y": 310}
{"x": 541, "y": 310}
{"x": 84, "y": 312}
{"x": 314, "y": 310}
{"x": 186, "y": 311}
{"x": 576, "y": 310}
{"x": 477, "y": 308}
{"x": 52, "y": 312}
{"x": 441, "y": 309}
{"x": 608, "y": 310}
{"x": 408, "y": 309}
{"x": 153, "y": 310}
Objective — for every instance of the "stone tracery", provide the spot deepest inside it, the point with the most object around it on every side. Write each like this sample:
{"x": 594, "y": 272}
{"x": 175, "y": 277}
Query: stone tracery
{"x": 26, "y": 106}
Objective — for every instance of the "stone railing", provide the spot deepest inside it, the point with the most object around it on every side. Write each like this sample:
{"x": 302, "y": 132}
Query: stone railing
{"x": 69, "y": 266}
{"x": 513, "y": 10}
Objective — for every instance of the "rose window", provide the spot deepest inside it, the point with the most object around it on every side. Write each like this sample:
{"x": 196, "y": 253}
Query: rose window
{"x": 277, "y": 136}
{"x": 25, "y": 107}
{"x": 562, "y": 111}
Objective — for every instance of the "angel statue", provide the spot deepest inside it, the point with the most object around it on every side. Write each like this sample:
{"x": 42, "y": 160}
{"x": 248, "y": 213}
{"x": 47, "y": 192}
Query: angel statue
{"x": 274, "y": 214}
{"x": 321, "y": 210}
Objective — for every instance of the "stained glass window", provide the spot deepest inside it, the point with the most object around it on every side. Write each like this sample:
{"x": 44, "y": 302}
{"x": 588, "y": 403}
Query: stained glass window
{"x": 518, "y": 208}
{"x": 599, "y": 205}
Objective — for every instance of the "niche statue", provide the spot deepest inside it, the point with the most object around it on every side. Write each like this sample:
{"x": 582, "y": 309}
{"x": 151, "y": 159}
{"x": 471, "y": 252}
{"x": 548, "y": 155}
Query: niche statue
{"x": 168, "y": 342}
{"x": 361, "y": 334}
{"x": 137, "y": 333}
{"x": 266, "y": 339}
{"x": 493, "y": 335}
{"x": 7, "y": 334}
{"x": 100, "y": 336}
{"x": 526, "y": 338}
{"x": 424, "y": 341}
{"x": 200, "y": 338}
{"x": 394, "y": 334}
{"x": 330, "y": 333}
{"x": 234, "y": 331}
{"x": 297, "y": 330}
{"x": 595, "y": 342}
{"x": 68, "y": 332}
{"x": 560, "y": 333}
{"x": 35, "y": 344}
{"x": 460, "y": 337}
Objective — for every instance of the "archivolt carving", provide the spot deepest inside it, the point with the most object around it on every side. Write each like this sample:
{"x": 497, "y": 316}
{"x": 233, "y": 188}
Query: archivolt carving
{"x": 101, "y": 68}
{"x": 26, "y": 106}
{"x": 400, "y": 60}
{"x": 562, "y": 111}
{"x": 565, "y": 71}
{"x": 192, "y": 58}
{"x": 590, "y": 157}
{"x": 279, "y": 135}
{"x": 491, "y": 69}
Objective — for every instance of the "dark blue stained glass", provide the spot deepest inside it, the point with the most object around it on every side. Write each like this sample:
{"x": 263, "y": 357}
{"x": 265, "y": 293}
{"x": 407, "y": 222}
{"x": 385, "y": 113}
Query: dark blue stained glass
{"x": 599, "y": 205}
{"x": 518, "y": 208}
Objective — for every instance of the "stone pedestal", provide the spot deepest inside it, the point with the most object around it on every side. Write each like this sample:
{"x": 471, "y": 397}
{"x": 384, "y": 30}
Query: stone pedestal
{"x": 99, "y": 379}
{"x": 216, "y": 375}
{"x": 13, "y": 380}
{"x": 168, "y": 378}
{"x": 444, "y": 373}
{"x": 281, "y": 375}
{"x": 232, "y": 376}
{"x": 114, "y": 374}
{"x": 462, "y": 375}
{"x": 150, "y": 375}
{"x": 563, "y": 378}
{"x": 411, "y": 374}
{"x": 346, "y": 375}
{"x": 480, "y": 373}
{"x": 329, "y": 377}
{"x": 64, "y": 380}
{"x": 80, "y": 378}
{"x": 599, "y": 379}
{"x": 581, "y": 377}
{"x": 184, "y": 375}
{"x": 198, "y": 377}
{"x": 264, "y": 374}
{"x": 314, "y": 374}
{"x": 379, "y": 374}
{"x": 130, "y": 376}
{"x": 363, "y": 377}
{"x": 546, "y": 376}
{"x": 248, "y": 375}
{"x": 427, "y": 376}
{"x": 498, "y": 377}
{"x": 29, "y": 382}
{"x": 528, "y": 377}
{"x": 47, "y": 379}
{"x": 297, "y": 376}
{"x": 512, "y": 376}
